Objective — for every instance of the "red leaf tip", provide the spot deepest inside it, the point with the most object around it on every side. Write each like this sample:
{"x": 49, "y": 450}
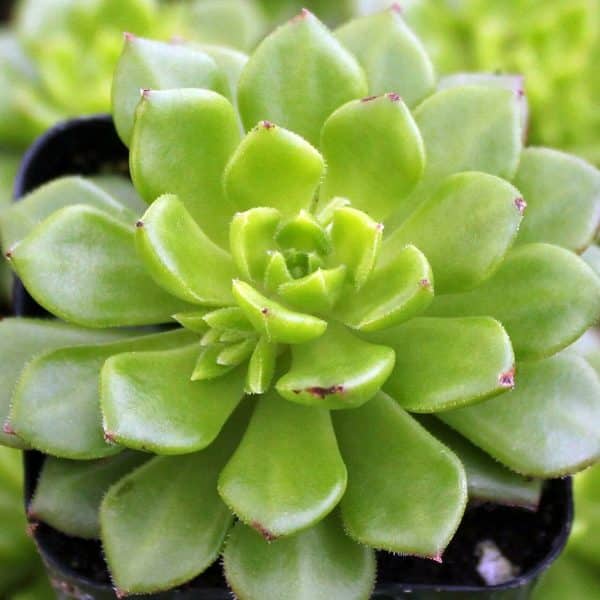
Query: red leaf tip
{"x": 520, "y": 204}
{"x": 8, "y": 429}
{"x": 303, "y": 14}
{"x": 8, "y": 254}
{"x": 129, "y": 37}
{"x": 394, "y": 97}
{"x": 31, "y": 528}
{"x": 145, "y": 92}
{"x": 263, "y": 531}
{"x": 397, "y": 8}
{"x": 139, "y": 224}
{"x": 507, "y": 379}
{"x": 425, "y": 283}
{"x": 267, "y": 125}
{"x": 110, "y": 437}
{"x": 437, "y": 558}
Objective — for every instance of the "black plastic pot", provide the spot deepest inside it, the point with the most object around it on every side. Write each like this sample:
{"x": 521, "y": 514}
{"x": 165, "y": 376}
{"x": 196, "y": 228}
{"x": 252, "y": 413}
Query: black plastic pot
{"x": 531, "y": 540}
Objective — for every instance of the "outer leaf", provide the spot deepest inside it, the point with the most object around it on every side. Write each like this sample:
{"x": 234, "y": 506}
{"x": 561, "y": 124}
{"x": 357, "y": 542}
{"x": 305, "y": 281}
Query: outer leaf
{"x": 68, "y": 493}
{"x": 566, "y": 293}
{"x": 443, "y": 363}
{"x": 356, "y": 242}
{"x": 470, "y": 128}
{"x": 320, "y": 563}
{"x": 22, "y": 217}
{"x": 392, "y": 56}
{"x": 273, "y": 320}
{"x": 153, "y": 546}
{"x": 121, "y": 189}
{"x": 56, "y": 405}
{"x": 422, "y": 489}
{"x": 287, "y": 472}
{"x": 374, "y": 154}
{"x": 180, "y": 257}
{"x": 231, "y": 63}
{"x": 207, "y": 367}
{"x": 563, "y": 199}
{"x": 147, "y": 64}
{"x": 273, "y": 167}
{"x": 21, "y": 340}
{"x": 149, "y": 403}
{"x": 546, "y": 427}
{"x": 194, "y": 321}
{"x": 251, "y": 240}
{"x": 80, "y": 264}
{"x": 297, "y": 77}
{"x": 592, "y": 258}
{"x": 487, "y": 479}
{"x": 453, "y": 229}
{"x": 350, "y": 371}
{"x": 169, "y": 157}
{"x": 583, "y": 542}
{"x": 400, "y": 287}
{"x": 229, "y": 318}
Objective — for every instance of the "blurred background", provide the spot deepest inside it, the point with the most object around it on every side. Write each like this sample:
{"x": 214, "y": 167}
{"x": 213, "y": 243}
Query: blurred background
{"x": 56, "y": 62}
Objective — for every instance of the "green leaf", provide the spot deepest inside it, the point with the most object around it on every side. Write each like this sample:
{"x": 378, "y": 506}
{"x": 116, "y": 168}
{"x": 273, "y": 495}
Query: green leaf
{"x": 261, "y": 368}
{"x": 568, "y": 577}
{"x": 399, "y": 288}
{"x": 336, "y": 370}
{"x": 121, "y": 189}
{"x": 297, "y": 77}
{"x": 169, "y": 157}
{"x": 421, "y": 485}
{"x": 251, "y": 240}
{"x": 303, "y": 233}
{"x": 21, "y": 340}
{"x": 393, "y": 57}
{"x": 147, "y": 64}
{"x": 545, "y": 297}
{"x": 180, "y": 257}
{"x": 194, "y": 321}
{"x": 149, "y": 403}
{"x": 287, "y": 472}
{"x": 207, "y": 367}
{"x": 453, "y": 229}
{"x": 154, "y": 546}
{"x": 443, "y": 363}
{"x": 230, "y": 318}
{"x": 317, "y": 292}
{"x": 583, "y": 542}
{"x": 374, "y": 154}
{"x": 273, "y": 167}
{"x": 235, "y": 354}
{"x": 69, "y": 492}
{"x": 56, "y": 405}
{"x": 592, "y": 258}
{"x": 231, "y": 63}
{"x": 339, "y": 568}
{"x": 22, "y": 217}
{"x": 276, "y": 272}
{"x": 547, "y": 426}
{"x": 81, "y": 265}
{"x": 563, "y": 199}
{"x": 271, "y": 319}
{"x": 356, "y": 242}
{"x": 487, "y": 479}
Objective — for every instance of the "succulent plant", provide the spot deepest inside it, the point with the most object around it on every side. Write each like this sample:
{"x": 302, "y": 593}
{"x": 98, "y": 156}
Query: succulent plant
{"x": 554, "y": 44}
{"x": 356, "y": 262}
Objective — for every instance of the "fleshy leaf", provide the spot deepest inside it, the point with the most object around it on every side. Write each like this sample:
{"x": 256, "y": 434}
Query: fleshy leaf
{"x": 141, "y": 557}
{"x": 453, "y": 229}
{"x": 56, "y": 404}
{"x": 231, "y": 317}
{"x": 231, "y": 64}
{"x": 443, "y": 363}
{"x": 563, "y": 199}
{"x": 356, "y": 242}
{"x": 81, "y": 265}
{"x": 374, "y": 154}
{"x": 303, "y": 233}
{"x": 399, "y": 288}
{"x": 317, "y": 292}
{"x": 235, "y": 354}
{"x": 276, "y": 272}
{"x": 297, "y": 77}
{"x": 21, "y": 340}
{"x": 168, "y": 156}
{"x": 121, "y": 189}
{"x": 273, "y": 320}
{"x": 273, "y": 167}
{"x": 592, "y": 258}
{"x": 194, "y": 321}
{"x": 422, "y": 488}
{"x": 547, "y": 426}
{"x": 566, "y": 290}
{"x": 487, "y": 479}
{"x": 180, "y": 257}
{"x": 69, "y": 492}
{"x": 350, "y": 371}
{"x": 339, "y": 567}
{"x": 393, "y": 57}
{"x": 287, "y": 472}
{"x": 149, "y": 403}
{"x": 147, "y": 64}
{"x": 251, "y": 240}
{"x": 207, "y": 367}
{"x": 261, "y": 368}
{"x": 22, "y": 217}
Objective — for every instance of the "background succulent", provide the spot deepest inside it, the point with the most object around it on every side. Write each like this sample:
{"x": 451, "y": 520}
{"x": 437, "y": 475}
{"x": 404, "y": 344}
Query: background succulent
{"x": 353, "y": 249}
